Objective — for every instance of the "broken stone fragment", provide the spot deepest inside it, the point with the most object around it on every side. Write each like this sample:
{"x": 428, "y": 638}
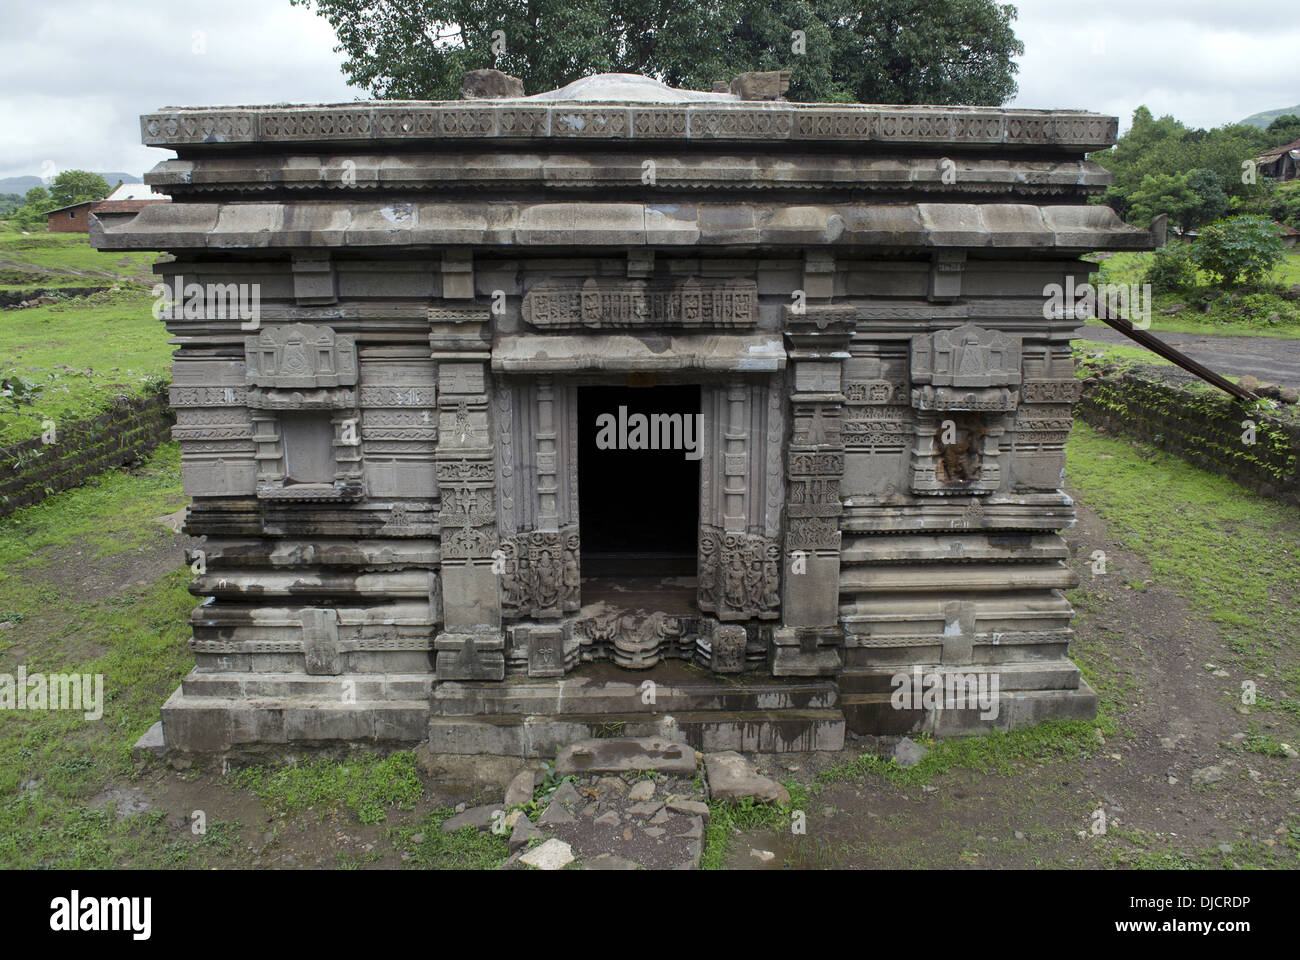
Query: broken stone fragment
{"x": 692, "y": 808}
{"x": 608, "y": 787}
{"x": 480, "y": 818}
{"x": 551, "y": 855}
{"x": 556, "y": 813}
{"x": 489, "y": 85}
{"x": 520, "y": 790}
{"x": 641, "y": 790}
{"x": 525, "y": 830}
{"x": 732, "y": 777}
{"x": 908, "y": 753}
{"x": 761, "y": 85}
{"x": 567, "y": 794}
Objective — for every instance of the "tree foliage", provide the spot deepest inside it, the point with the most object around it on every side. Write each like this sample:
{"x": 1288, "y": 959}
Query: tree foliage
{"x": 75, "y": 186}
{"x": 1164, "y": 147}
{"x": 888, "y": 51}
{"x": 1239, "y": 249}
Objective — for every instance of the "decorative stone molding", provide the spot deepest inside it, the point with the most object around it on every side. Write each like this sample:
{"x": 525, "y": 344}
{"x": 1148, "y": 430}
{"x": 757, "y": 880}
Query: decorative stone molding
{"x": 598, "y": 303}
{"x": 408, "y": 121}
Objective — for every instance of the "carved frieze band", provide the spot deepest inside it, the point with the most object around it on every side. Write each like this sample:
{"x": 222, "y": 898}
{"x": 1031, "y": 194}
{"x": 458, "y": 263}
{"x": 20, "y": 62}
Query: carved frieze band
{"x": 620, "y": 304}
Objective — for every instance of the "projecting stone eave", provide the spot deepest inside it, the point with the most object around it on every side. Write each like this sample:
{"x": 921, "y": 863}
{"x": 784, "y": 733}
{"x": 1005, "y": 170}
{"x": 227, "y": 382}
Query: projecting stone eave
{"x": 734, "y": 226}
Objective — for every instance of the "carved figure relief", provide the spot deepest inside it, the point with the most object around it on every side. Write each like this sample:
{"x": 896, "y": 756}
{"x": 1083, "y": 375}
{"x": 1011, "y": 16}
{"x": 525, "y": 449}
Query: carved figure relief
{"x": 739, "y": 575}
{"x": 540, "y": 574}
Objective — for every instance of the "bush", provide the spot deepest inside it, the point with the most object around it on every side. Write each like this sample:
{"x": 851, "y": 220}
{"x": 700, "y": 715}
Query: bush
{"x": 1171, "y": 269}
{"x": 1239, "y": 249}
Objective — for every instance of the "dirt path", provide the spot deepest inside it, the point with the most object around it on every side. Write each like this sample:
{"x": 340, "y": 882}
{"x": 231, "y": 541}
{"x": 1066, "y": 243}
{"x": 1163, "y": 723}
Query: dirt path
{"x": 1268, "y": 359}
{"x": 1180, "y": 725}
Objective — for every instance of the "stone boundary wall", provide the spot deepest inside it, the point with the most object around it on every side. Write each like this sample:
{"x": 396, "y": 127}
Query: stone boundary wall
{"x": 1173, "y": 411}
{"x": 30, "y": 470}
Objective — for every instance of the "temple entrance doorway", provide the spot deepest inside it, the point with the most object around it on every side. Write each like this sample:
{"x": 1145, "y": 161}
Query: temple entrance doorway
{"x": 639, "y": 456}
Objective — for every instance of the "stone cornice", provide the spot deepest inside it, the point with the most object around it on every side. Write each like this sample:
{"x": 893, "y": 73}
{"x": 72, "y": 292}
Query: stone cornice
{"x": 474, "y": 169}
{"x": 758, "y": 122}
{"x": 373, "y": 223}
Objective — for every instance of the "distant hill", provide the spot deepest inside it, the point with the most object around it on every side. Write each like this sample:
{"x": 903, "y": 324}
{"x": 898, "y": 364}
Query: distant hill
{"x": 21, "y": 185}
{"x": 1262, "y": 120}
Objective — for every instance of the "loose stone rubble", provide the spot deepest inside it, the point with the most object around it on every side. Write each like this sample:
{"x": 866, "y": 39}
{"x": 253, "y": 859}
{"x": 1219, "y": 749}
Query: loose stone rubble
{"x": 639, "y": 819}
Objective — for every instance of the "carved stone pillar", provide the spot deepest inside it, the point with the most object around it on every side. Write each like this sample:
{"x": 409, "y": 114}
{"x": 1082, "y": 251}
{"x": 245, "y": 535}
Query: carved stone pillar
{"x": 809, "y": 640}
{"x": 471, "y": 646}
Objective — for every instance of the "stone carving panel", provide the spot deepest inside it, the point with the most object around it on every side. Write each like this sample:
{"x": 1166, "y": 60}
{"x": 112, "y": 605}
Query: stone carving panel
{"x": 301, "y": 357}
{"x": 540, "y": 573}
{"x": 739, "y": 575}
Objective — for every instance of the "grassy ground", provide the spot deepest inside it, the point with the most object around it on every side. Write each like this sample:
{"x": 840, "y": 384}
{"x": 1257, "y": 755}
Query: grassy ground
{"x": 73, "y": 358}
{"x": 1203, "y": 574}
{"x": 41, "y": 259}
{"x": 70, "y": 360}
{"x": 1260, "y": 314}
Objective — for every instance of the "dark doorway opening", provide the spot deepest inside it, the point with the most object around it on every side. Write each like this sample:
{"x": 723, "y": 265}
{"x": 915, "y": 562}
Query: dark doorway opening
{"x": 639, "y": 506}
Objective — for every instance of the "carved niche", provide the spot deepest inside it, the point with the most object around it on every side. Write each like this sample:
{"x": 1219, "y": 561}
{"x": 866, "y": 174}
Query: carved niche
{"x": 607, "y": 303}
{"x": 965, "y": 387}
{"x": 306, "y": 426}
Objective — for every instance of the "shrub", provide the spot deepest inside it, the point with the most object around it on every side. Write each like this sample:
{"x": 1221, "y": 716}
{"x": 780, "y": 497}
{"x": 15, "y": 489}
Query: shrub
{"x": 1171, "y": 269}
{"x": 1239, "y": 249}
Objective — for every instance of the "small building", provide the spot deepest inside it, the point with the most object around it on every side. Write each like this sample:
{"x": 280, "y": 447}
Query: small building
{"x": 1280, "y": 163}
{"x": 128, "y": 198}
{"x": 691, "y": 414}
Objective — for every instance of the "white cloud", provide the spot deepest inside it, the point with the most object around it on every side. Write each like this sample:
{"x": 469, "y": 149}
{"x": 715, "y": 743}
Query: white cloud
{"x": 76, "y": 75}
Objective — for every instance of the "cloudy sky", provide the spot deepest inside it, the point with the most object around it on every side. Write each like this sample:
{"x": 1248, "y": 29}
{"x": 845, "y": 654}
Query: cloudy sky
{"x": 76, "y": 74}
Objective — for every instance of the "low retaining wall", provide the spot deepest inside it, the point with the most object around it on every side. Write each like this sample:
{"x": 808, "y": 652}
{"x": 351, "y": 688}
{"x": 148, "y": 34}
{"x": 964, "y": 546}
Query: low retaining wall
{"x": 31, "y": 470}
{"x": 1174, "y": 411}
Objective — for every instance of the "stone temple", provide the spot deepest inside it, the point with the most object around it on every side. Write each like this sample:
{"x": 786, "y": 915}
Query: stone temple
{"x": 621, "y": 410}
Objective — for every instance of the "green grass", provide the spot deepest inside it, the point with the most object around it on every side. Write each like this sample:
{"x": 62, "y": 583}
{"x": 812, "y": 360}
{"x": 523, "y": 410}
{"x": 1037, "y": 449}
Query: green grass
{"x": 77, "y": 356}
{"x": 1234, "y": 314}
{"x": 53, "y": 762}
{"x": 1232, "y": 554}
{"x": 365, "y": 785}
{"x": 427, "y": 847}
{"x": 67, "y": 259}
{"x": 727, "y": 818}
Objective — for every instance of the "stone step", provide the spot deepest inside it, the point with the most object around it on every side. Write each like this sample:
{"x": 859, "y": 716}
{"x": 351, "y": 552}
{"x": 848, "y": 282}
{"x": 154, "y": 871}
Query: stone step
{"x": 358, "y": 686}
{"x": 782, "y": 731}
{"x": 874, "y": 713}
{"x": 217, "y": 724}
{"x": 1056, "y": 674}
{"x": 602, "y": 688}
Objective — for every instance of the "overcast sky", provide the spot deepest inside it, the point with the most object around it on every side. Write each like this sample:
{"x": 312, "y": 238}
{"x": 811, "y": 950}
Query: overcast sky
{"x": 76, "y": 74}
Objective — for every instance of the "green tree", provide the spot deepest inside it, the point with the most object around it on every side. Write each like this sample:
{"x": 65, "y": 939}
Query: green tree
{"x": 1239, "y": 249}
{"x": 74, "y": 186}
{"x": 1162, "y": 193}
{"x": 1211, "y": 202}
{"x": 1171, "y": 268}
{"x": 36, "y": 204}
{"x": 1285, "y": 129}
{"x": 889, "y": 51}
